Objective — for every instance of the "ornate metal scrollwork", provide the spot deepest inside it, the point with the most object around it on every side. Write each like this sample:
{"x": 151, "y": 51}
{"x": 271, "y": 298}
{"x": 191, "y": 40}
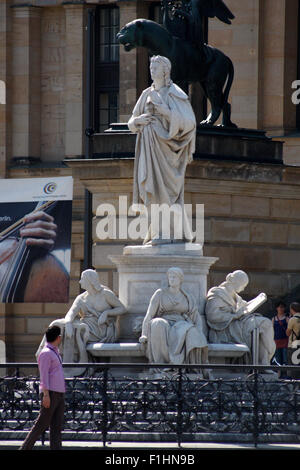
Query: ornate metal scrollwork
{"x": 176, "y": 406}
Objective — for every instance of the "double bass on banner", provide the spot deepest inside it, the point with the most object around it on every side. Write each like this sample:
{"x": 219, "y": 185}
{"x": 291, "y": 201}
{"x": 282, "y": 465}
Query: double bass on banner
{"x": 28, "y": 270}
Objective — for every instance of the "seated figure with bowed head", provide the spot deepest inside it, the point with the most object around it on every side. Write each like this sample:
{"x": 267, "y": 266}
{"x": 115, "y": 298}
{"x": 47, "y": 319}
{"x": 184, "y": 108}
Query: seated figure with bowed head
{"x": 231, "y": 319}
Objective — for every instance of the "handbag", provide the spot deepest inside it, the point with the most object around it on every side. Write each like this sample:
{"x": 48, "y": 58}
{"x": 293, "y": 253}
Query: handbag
{"x": 295, "y": 344}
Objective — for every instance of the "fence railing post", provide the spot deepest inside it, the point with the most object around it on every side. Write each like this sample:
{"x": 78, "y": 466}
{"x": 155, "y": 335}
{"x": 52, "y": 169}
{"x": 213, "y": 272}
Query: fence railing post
{"x": 256, "y": 410}
{"x": 105, "y": 408}
{"x": 179, "y": 409}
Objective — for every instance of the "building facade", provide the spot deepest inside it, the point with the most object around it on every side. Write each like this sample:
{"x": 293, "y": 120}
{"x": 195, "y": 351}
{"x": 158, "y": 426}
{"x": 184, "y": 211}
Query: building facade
{"x": 63, "y": 77}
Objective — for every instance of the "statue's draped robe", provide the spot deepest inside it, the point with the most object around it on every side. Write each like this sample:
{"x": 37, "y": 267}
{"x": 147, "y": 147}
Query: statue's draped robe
{"x": 163, "y": 148}
{"x": 223, "y": 327}
{"x": 89, "y": 310}
{"x": 173, "y": 330}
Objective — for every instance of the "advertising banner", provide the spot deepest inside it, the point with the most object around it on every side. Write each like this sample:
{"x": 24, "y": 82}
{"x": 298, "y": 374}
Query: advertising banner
{"x": 35, "y": 239}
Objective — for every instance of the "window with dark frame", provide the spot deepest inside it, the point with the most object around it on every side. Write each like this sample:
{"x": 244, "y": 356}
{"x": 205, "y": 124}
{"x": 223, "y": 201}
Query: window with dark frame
{"x": 109, "y": 22}
{"x": 108, "y": 109}
{"x": 107, "y": 48}
{"x": 156, "y": 14}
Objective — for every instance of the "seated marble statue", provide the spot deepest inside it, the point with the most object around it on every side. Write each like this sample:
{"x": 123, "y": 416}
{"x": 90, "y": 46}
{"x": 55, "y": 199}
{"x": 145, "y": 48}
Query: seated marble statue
{"x": 172, "y": 327}
{"x": 232, "y": 320}
{"x": 91, "y": 318}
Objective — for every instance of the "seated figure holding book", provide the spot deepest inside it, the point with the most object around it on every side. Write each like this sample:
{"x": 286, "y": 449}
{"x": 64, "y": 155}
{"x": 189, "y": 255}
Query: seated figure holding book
{"x": 232, "y": 320}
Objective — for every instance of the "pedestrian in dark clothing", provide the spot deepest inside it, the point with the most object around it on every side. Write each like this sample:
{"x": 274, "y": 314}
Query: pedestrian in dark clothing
{"x": 280, "y": 323}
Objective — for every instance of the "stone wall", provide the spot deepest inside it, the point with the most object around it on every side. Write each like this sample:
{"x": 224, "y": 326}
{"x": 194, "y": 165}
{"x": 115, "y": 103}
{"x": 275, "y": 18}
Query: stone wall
{"x": 252, "y": 219}
{"x": 262, "y": 43}
{"x": 43, "y": 61}
{"x": 240, "y": 41}
{"x": 42, "y": 64}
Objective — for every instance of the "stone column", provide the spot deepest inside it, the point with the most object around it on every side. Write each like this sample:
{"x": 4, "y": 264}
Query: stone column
{"x": 74, "y": 79}
{"x": 26, "y": 83}
{"x": 277, "y": 65}
{"x": 133, "y": 64}
{"x": 5, "y": 86}
{"x": 240, "y": 41}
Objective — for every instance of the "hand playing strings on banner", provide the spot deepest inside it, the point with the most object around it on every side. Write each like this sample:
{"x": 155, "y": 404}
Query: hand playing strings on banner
{"x": 39, "y": 230}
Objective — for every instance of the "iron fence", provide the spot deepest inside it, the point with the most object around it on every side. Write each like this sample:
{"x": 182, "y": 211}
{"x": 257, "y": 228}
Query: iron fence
{"x": 109, "y": 404}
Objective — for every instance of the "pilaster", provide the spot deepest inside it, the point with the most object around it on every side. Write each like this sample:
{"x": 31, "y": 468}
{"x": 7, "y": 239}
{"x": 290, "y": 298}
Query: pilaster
{"x": 133, "y": 64}
{"x": 26, "y": 93}
{"x": 277, "y": 65}
{"x": 75, "y": 15}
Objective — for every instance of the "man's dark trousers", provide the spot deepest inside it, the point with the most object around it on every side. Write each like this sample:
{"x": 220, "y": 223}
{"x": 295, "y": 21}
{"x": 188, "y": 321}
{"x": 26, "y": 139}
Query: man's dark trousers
{"x": 52, "y": 418}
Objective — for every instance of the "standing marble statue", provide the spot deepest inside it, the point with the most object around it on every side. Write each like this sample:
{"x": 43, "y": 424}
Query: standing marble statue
{"x": 165, "y": 124}
{"x": 172, "y": 327}
{"x": 91, "y": 318}
{"x": 231, "y": 319}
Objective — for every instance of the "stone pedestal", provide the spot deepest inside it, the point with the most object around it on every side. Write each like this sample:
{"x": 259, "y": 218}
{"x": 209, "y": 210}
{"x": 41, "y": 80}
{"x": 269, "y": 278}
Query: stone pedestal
{"x": 143, "y": 269}
{"x": 212, "y": 143}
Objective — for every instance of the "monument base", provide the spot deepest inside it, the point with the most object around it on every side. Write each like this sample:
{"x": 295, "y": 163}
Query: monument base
{"x": 212, "y": 142}
{"x": 143, "y": 269}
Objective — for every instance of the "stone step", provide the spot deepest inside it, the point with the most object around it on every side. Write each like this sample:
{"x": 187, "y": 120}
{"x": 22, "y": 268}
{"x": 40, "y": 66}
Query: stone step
{"x": 131, "y": 437}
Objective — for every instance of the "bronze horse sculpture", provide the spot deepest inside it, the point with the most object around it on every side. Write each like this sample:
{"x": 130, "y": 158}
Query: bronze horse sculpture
{"x": 191, "y": 61}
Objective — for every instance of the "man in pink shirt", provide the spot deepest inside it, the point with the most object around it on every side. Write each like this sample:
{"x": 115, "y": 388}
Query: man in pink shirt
{"x": 52, "y": 388}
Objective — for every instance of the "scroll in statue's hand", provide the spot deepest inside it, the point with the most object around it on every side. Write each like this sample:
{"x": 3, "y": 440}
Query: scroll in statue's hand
{"x": 143, "y": 339}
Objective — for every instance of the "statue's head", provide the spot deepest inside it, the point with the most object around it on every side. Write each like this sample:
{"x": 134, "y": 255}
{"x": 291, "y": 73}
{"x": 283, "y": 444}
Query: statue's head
{"x": 90, "y": 280}
{"x": 161, "y": 67}
{"x": 175, "y": 276}
{"x": 239, "y": 280}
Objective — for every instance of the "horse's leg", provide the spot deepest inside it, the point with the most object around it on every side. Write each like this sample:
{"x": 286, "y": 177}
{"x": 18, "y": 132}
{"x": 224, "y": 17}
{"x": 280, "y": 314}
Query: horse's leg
{"x": 215, "y": 98}
{"x": 204, "y": 88}
{"x": 226, "y": 122}
{"x": 223, "y": 73}
{"x": 215, "y": 82}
